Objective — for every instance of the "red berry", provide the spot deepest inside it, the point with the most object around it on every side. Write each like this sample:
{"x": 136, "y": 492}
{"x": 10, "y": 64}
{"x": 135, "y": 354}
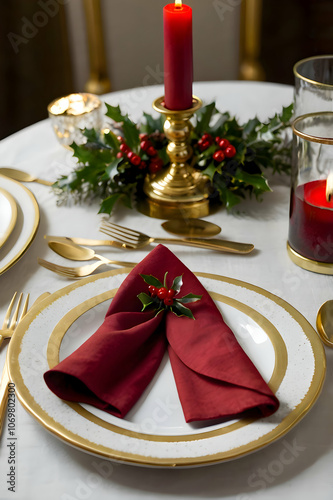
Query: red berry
{"x": 224, "y": 143}
{"x": 134, "y": 159}
{"x": 207, "y": 137}
{"x": 124, "y": 148}
{"x": 154, "y": 167}
{"x": 230, "y": 151}
{"x": 143, "y": 137}
{"x": 152, "y": 290}
{"x": 203, "y": 145}
{"x": 168, "y": 301}
{"x": 142, "y": 165}
{"x": 120, "y": 138}
{"x": 219, "y": 155}
{"x": 119, "y": 154}
{"x": 144, "y": 145}
{"x": 217, "y": 139}
{"x": 171, "y": 293}
{"x": 162, "y": 293}
{"x": 130, "y": 155}
{"x": 151, "y": 151}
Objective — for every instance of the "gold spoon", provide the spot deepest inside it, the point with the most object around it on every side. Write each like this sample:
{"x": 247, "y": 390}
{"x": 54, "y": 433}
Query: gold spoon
{"x": 21, "y": 176}
{"x": 325, "y": 323}
{"x": 73, "y": 251}
{"x": 191, "y": 227}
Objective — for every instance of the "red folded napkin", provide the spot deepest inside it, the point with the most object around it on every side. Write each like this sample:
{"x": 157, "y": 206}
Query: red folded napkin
{"x": 214, "y": 377}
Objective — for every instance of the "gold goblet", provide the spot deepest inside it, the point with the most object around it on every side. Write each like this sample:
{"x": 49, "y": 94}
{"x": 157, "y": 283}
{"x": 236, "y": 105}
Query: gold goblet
{"x": 179, "y": 191}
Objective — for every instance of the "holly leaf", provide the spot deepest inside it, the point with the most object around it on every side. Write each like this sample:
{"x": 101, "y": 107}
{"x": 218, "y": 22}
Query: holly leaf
{"x": 190, "y": 297}
{"x": 131, "y": 134}
{"x": 177, "y": 283}
{"x": 153, "y": 124}
{"x": 256, "y": 180}
{"x": 146, "y": 300}
{"x": 108, "y": 203}
{"x": 210, "y": 170}
{"x": 114, "y": 113}
{"x": 111, "y": 140}
{"x": 151, "y": 280}
{"x": 204, "y": 116}
{"x": 179, "y": 310}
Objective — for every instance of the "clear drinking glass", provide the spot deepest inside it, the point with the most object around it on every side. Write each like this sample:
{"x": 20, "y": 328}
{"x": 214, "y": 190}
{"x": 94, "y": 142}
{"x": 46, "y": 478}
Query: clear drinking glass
{"x": 310, "y": 239}
{"x": 313, "y": 85}
{"x": 73, "y": 113}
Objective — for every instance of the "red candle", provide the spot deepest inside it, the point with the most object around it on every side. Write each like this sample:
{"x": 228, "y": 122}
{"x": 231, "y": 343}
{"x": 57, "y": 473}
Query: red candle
{"x": 178, "y": 56}
{"x": 311, "y": 222}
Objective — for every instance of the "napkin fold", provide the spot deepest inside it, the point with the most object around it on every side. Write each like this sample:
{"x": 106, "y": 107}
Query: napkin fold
{"x": 214, "y": 376}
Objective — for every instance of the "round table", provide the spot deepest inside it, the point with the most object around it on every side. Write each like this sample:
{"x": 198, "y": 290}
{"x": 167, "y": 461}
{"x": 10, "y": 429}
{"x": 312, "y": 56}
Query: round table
{"x": 292, "y": 467}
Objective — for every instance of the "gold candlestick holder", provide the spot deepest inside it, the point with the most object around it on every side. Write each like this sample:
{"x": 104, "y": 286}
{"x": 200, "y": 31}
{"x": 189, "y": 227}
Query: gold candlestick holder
{"x": 179, "y": 191}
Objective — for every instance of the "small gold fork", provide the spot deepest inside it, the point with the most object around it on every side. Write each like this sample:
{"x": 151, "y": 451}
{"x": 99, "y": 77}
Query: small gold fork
{"x": 8, "y": 328}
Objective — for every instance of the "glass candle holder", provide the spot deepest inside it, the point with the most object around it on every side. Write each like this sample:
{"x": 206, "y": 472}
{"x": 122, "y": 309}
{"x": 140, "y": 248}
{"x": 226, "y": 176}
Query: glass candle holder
{"x": 71, "y": 114}
{"x": 310, "y": 239}
{"x": 313, "y": 85}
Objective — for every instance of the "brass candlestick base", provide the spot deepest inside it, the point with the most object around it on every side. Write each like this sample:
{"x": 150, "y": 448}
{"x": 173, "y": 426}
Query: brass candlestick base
{"x": 179, "y": 191}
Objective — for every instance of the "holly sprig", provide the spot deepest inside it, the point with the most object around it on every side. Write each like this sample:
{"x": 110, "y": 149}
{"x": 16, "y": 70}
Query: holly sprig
{"x": 113, "y": 163}
{"x": 161, "y": 298}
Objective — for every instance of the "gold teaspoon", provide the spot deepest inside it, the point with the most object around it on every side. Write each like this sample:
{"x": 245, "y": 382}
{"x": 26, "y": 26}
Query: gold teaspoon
{"x": 325, "y": 323}
{"x": 191, "y": 227}
{"x": 21, "y": 176}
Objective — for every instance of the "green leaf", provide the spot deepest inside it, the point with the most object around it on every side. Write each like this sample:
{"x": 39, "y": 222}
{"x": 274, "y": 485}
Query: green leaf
{"x": 204, "y": 116}
{"x": 287, "y": 113}
{"x": 131, "y": 134}
{"x": 179, "y": 310}
{"x": 146, "y": 300}
{"x": 114, "y": 113}
{"x": 111, "y": 140}
{"x": 256, "y": 180}
{"x": 153, "y": 124}
{"x": 112, "y": 166}
{"x": 190, "y": 297}
{"x": 108, "y": 203}
{"x": 210, "y": 170}
{"x": 177, "y": 283}
{"x": 151, "y": 280}
{"x": 164, "y": 280}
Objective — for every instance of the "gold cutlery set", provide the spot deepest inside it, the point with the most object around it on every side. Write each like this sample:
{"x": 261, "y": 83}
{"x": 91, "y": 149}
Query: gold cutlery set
{"x": 126, "y": 239}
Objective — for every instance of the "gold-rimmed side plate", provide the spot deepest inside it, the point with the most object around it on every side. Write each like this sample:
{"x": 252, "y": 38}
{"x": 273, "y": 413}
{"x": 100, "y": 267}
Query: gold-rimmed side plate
{"x": 26, "y": 225}
{"x": 281, "y": 343}
{"x": 8, "y": 212}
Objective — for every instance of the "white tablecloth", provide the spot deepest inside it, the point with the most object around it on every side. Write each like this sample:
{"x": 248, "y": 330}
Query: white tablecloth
{"x": 47, "y": 467}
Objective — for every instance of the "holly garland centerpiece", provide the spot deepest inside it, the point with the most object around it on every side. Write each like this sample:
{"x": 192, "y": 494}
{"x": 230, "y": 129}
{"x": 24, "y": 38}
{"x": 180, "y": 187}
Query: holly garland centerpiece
{"x": 112, "y": 164}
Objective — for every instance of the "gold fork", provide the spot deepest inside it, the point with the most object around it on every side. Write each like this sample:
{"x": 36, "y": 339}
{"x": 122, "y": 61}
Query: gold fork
{"x": 80, "y": 271}
{"x": 129, "y": 238}
{"x": 8, "y": 328}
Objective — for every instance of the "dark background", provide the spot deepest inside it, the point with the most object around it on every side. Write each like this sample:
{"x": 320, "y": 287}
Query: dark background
{"x": 41, "y": 68}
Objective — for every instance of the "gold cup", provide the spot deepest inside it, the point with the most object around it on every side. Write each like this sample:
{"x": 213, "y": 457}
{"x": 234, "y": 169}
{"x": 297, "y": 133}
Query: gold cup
{"x": 180, "y": 191}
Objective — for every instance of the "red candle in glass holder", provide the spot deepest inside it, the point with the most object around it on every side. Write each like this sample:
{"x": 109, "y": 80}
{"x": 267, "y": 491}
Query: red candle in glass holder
{"x": 178, "y": 56}
{"x": 311, "y": 222}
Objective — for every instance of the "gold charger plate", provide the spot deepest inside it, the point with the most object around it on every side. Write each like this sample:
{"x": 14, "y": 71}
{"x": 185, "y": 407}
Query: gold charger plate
{"x": 26, "y": 225}
{"x": 282, "y": 344}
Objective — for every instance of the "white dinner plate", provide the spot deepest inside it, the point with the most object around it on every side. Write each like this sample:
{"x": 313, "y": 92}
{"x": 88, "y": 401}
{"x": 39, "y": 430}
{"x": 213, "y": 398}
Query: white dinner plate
{"x": 8, "y": 215}
{"x": 26, "y": 223}
{"x": 281, "y": 343}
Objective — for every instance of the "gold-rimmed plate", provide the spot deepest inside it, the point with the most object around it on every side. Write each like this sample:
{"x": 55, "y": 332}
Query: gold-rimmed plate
{"x": 26, "y": 224}
{"x": 281, "y": 343}
{"x": 8, "y": 215}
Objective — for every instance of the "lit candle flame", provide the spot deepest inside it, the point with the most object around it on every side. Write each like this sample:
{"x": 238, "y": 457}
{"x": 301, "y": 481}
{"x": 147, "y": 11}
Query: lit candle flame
{"x": 178, "y": 4}
{"x": 329, "y": 187}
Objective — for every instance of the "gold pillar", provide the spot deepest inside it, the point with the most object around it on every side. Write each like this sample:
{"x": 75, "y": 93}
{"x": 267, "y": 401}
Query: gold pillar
{"x": 250, "y": 41}
{"x": 98, "y": 82}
